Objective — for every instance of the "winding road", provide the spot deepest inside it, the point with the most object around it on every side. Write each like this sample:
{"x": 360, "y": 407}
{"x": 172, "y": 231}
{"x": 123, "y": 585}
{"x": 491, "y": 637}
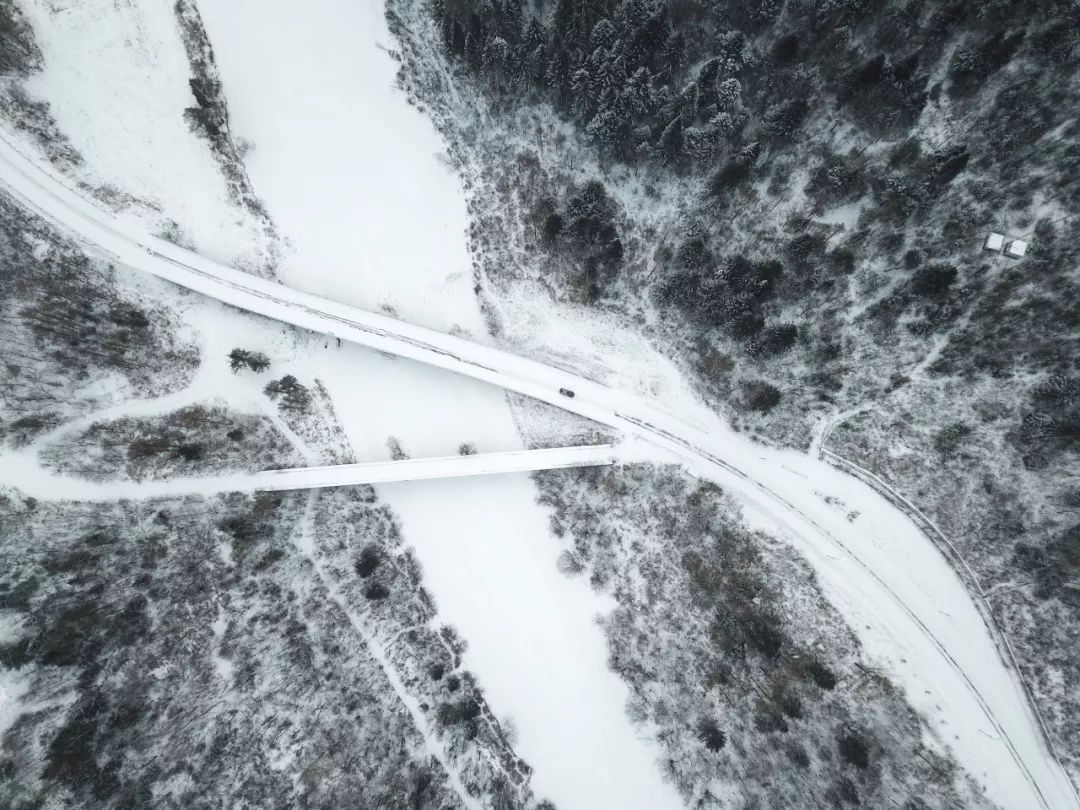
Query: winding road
{"x": 909, "y": 608}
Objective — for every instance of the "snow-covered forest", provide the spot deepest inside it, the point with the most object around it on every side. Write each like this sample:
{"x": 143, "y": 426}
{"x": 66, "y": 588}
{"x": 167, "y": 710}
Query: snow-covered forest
{"x": 766, "y": 215}
{"x": 203, "y": 652}
{"x": 790, "y": 199}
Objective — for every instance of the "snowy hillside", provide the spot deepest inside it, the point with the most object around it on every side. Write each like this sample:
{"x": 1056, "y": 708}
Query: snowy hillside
{"x": 712, "y": 623}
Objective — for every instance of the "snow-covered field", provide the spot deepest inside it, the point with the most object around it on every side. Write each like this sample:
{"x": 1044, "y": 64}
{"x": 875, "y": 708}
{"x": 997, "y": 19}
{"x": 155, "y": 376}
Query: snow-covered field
{"x": 540, "y": 658}
{"x": 371, "y": 216}
{"x": 350, "y": 172}
{"x": 908, "y": 606}
{"x": 116, "y": 80}
{"x": 352, "y": 178}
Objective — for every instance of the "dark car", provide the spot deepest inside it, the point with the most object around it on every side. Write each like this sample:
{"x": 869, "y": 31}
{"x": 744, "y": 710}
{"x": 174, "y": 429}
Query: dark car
{"x": 566, "y": 392}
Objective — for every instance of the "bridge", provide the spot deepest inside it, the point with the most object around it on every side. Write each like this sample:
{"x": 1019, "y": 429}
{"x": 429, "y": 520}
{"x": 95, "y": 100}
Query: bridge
{"x": 32, "y": 480}
{"x": 881, "y": 563}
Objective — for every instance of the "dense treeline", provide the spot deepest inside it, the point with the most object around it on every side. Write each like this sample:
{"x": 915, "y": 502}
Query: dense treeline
{"x": 928, "y": 121}
{"x": 194, "y": 440}
{"x": 801, "y": 190}
{"x": 688, "y": 82}
{"x": 66, "y": 326}
{"x": 903, "y": 111}
{"x": 19, "y": 53}
{"x": 185, "y": 653}
{"x": 209, "y": 116}
{"x": 744, "y": 672}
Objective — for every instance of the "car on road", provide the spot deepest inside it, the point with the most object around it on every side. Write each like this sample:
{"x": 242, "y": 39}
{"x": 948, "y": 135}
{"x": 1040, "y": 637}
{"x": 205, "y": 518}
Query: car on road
{"x": 566, "y": 392}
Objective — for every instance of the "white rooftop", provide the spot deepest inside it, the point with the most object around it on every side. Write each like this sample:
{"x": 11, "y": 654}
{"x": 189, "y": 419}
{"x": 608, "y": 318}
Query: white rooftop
{"x": 994, "y": 241}
{"x": 1016, "y": 248}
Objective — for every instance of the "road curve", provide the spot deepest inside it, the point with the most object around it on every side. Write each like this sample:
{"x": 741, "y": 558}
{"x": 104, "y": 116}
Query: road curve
{"x": 877, "y": 566}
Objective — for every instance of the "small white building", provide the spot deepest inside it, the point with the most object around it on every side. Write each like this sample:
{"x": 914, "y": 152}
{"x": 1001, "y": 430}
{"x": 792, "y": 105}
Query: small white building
{"x": 1016, "y": 249}
{"x": 994, "y": 242}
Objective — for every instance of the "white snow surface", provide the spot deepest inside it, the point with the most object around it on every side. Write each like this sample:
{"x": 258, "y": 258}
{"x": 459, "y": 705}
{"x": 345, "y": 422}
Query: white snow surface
{"x": 901, "y": 597}
{"x": 33, "y": 480}
{"x": 116, "y": 80}
{"x": 846, "y": 215}
{"x": 347, "y": 168}
{"x": 910, "y": 609}
{"x": 352, "y": 179}
{"x": 14, "y": 683}
{"x": 530, "y": 639}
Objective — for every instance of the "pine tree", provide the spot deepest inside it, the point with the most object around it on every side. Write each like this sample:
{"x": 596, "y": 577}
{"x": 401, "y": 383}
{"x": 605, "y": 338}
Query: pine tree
{"x": 240, "y": 358}
{"x": 608, "y": 77}
{"x": 559, "y": 77}
{"x": 608, "y": 131}
{"x": 495, "y": 54}
{"x": 581, "y": 89}
{"x": 710, "y": 734}
{"x": 564, "y": 21}
{"x": 707, "y": 76}
{"x": 689, "y": 99}
{"x": 603, "y": 35}
{"x": 670, "y": 145}
{"x": 700, "y": 143}
{"x": 637, "y": 97}
{"x": 729, "y": 95}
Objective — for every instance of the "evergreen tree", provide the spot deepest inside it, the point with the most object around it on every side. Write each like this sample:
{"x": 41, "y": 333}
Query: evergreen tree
{"x": 581, "y": 88}
{"x": 707, "y": 76}
{"x": 637, "y": 97}
{"x": 242, "y": 358}
{"x": 729, "y": 94}
{"x": 689, "y": 99}
{"x": 495, "y": 55}
{"x": 559, "y": 77}
{"x": 700, "y": 143}
{"x": 607, "y": 131}
{"x": 670, "y": 145}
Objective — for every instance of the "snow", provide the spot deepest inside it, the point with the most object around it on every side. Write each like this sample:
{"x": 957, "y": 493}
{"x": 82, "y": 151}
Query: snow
{"x": 909, "y": 608}
{"x": 116, "y": 80}
{"x": 10, "y": 626}
{"x": 592, "y": 345}
{"x": 345, "y": 166}
{"x": 1016, "y": 248}
{"x": 537, "y": 657}
{"x": 351, "y": 177}
{"x": 14, "y": 683}
{"x": 35, "y": 481}
{"x": 898, "y": 449}
{"x": 889, "y": 582}
{"x": 222, "y": 666}
{"x": 895, "y": 589}
{"x": 305, "y": 543}
{"x": 846, "y": 215}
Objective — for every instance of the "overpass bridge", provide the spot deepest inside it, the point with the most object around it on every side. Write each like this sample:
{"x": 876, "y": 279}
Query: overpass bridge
{"x": 880, "y": 566}
{"x": 31, "y": 480}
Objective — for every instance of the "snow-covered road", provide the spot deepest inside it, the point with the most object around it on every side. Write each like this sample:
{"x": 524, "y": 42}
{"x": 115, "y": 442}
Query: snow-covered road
{"x": 909, "y": 608}
{"x": 23, "y": 472}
